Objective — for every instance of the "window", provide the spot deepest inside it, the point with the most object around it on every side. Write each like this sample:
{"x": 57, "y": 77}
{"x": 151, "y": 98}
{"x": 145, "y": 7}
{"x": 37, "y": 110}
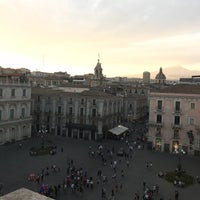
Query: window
{"x": 70, "y": 110}
{"x": 13, "y": 93}
{"x": 191, "y": 121}
{"x": 93, "y": 112}
{"x": 1, "y": 92}
{"x": 59, "y": 109}
{"x": 159, "y": 118}
{"x": 177, "y": 106}
{"x": 94, "y": 102}
{"x": 192, "y": 106}
{"x": 81, "y": 112}
{"x": 70, "y": 101}
{"x": 177, "y": 120}
{"x": 24, "y": 92}
{"x": 130, "y": 106}
{"x": 159, "y": 105}
{"x": 11, "y": 113}
{"x": 176, "y": 133}
{"x": 0, "y": 115}
{"x": 82, "y": 101}
{"x": 158, "y": 132}
{"x": 23, "y": 113}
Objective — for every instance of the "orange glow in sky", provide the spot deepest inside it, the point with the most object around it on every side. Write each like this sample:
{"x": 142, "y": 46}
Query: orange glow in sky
{"x": 131, "y": 36}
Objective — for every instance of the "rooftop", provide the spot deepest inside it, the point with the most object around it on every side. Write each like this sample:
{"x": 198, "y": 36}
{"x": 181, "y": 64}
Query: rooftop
{"x": 180, "y": 89}
{"x": 69, "y": 93}
{"x": 23, "y": 194}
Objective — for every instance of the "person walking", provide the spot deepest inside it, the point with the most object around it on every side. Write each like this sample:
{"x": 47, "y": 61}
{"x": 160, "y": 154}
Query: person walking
{"x": 144, "y": 185}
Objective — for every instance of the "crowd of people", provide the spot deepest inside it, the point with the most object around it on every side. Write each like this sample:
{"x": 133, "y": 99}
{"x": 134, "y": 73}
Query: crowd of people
{"x": 110, "y": 177}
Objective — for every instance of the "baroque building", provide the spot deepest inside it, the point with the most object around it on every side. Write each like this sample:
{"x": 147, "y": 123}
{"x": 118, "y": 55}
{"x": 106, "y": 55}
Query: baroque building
{"x": 15, "y": 107}
{"x": 85, "y": 114}
{"x": 174, "y": 114}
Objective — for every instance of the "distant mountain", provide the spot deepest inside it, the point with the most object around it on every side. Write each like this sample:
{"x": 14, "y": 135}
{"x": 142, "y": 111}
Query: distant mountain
{"x": 172, "y": 73}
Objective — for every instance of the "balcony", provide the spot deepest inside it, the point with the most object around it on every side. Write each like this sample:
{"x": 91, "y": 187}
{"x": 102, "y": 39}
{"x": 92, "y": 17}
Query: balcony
{"x": 197, "y": 127}
{"x": 48, "y": 112}
{"x": 160, "y": 110}
{"x": 70, "y": 114}
{"x": 17, "y": 120}
{"x": 158, "y": 134}
{"x": 176, "y": 136}
{"x": 59, "y": 114}
{"x": 156, "y": 124}
{"x": 176, "y": 126}
{"x": 177, "y": 112}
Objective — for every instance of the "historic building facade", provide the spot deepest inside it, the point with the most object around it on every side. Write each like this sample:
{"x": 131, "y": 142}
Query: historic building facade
{"x": 15, "y": 108}
{"x": 174, "y": 119}
{"x": 86, "y": 114}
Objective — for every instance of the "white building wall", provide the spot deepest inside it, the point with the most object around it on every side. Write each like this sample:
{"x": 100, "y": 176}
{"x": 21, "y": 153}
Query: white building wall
{"x": 20, "y": 126}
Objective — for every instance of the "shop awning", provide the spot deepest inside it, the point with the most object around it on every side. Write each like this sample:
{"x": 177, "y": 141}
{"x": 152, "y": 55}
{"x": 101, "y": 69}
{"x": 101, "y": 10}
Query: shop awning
{"x": 118, "y": 130}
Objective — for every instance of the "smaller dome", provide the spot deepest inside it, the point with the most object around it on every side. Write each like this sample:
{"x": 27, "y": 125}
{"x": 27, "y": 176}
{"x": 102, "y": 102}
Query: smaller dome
{"x": 160, "y": 75}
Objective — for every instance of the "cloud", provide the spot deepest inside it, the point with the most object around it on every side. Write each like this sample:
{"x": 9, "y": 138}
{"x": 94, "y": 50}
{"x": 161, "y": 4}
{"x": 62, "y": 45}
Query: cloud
{"x": 125, "y": 33}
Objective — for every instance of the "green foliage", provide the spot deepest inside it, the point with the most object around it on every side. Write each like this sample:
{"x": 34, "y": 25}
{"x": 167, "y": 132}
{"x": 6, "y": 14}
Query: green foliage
{"x": 42, "y": 151}
{"x": 183, "y": 177}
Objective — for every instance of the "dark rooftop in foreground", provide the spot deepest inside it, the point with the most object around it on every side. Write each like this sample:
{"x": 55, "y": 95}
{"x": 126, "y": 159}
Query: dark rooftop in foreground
{"x": 24, "y": 194}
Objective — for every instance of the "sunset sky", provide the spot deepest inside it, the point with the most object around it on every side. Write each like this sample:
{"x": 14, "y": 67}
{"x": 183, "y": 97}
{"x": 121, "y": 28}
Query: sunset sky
{"x": 131, "y": 36}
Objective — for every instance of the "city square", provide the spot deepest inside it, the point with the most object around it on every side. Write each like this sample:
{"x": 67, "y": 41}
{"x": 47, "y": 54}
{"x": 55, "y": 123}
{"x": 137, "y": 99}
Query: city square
{"x": 17, "y": 165}
{"x": 99, "y": 100}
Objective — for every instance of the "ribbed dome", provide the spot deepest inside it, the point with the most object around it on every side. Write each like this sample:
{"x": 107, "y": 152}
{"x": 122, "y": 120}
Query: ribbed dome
{"x": 160, "y": 75}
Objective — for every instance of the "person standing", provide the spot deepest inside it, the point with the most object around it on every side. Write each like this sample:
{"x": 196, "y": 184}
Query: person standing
{"x": 176, "y": 195}
{"x": 144, "y": 185}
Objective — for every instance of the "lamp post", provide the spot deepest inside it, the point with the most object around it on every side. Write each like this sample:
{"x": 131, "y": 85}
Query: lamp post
{"x": 42, "y": 132}
{"x": 179, "y": 166}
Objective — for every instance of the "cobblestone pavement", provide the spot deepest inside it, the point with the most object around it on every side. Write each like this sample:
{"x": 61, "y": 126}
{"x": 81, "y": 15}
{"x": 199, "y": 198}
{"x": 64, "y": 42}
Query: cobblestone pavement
{"x": 16, "y": 164}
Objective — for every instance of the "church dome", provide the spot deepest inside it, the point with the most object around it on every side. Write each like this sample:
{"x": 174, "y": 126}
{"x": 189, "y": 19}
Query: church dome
{"x": 160, "y": 75}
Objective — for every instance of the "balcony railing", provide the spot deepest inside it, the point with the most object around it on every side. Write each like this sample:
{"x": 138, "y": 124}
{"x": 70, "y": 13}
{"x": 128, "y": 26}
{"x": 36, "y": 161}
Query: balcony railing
{"x": 176, "y": 126}
{"x": 176, "y": 136}
{"x": 156, "y": 124}
{"x": 158, "y": 134}
{"x": 59, "y": 113}
{"x": 177, "y": 111}
{"x": 15, "y": 120}
{"x": 160, "y": 110}
{"x": 197, "y": 127}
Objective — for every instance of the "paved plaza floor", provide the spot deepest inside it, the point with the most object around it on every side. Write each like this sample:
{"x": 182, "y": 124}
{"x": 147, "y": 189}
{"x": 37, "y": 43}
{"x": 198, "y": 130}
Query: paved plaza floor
{"x": 16, "y": 164}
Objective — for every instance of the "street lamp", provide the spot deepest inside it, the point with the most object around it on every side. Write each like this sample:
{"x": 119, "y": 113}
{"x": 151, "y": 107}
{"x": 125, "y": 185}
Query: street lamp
{"x": 42, "y": 132}
{"x": 178, "y": 150}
